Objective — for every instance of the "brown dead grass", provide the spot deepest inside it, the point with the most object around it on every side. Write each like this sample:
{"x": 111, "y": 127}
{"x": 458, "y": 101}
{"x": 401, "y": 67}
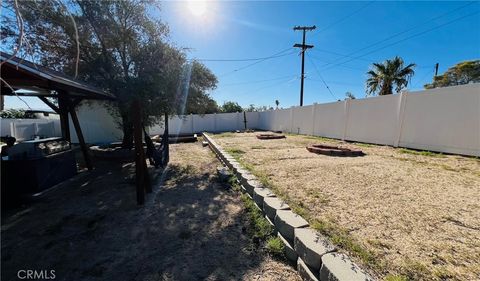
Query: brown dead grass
{"x": 398, "y": 212}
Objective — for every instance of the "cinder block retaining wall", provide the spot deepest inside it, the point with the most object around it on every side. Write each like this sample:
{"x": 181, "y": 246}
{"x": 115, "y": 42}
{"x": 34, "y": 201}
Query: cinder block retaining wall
{"x": 316, "y": 258}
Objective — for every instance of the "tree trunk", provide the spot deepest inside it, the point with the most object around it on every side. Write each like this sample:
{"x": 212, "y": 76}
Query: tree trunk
{"x": 127, "y": 128}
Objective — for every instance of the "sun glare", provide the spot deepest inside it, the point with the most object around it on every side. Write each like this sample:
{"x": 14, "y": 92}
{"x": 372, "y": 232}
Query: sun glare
{"x": 197, "y": 8}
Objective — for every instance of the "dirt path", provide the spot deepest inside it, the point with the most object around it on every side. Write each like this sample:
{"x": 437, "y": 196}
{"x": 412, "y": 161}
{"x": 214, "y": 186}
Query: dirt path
{"x": 412, "y": 213}
{"x": 192, "y": 228}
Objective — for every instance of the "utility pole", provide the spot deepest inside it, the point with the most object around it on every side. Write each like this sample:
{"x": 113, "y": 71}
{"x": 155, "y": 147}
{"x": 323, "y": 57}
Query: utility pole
{"x": 436, "y": 69}
{"x": 304, "y": 47}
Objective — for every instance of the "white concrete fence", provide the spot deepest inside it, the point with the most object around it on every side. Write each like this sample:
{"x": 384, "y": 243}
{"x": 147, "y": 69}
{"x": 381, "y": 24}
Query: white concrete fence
{"x": 443, "y": 119}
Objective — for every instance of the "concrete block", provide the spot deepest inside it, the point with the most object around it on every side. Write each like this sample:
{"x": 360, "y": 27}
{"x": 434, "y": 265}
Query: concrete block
{"x": 288, "y": 249}
{"x": 270, "y": 222}
{"x": 311, "y": 246}
{"x": 259, "y": 194}
{"x": 339, "y": 267}
{"x": 286, "y": 221}
{"x": 272, "y": 204}
{"x": 250, "y": 185}
{"x": 235, "y": 166}
{"x": 229, "y": 162}
{"x": 240, "y": 171}
{"x": 305, "y": 272}
{"x": 229, "y": 159}
{"x": 246, "y": 177}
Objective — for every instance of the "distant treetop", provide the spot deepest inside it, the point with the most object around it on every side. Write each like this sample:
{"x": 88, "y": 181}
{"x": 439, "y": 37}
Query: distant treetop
{"x": 460, "y": 74}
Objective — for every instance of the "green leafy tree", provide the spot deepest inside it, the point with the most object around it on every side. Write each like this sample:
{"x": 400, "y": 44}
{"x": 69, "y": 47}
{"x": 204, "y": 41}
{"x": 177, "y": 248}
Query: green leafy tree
{"x": 349, "y": 95}
{"x": 384, "y": 76}
{"x": 252, "y": 108}
{"x": 13, "y": 113}
{"x": 462, "y": 73}
{"x": 123, "y": 49}
{"x": 231, "y": 106}
{"x": 202, "y": 81}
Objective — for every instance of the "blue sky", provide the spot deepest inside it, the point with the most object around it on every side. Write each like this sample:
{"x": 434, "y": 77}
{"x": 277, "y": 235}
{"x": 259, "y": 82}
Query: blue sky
{"x": 257, "y": 29}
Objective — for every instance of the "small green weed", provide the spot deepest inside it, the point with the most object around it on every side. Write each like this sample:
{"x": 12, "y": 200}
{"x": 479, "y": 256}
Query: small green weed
{"x": 363, "y": 144}
{"x": 391, "y": 277}
{"x": 258, "y": 147}
{"x": 341, "y": 238}
{"x": 420, "y": 152}
{"x": 275, "y": 246}
{"x": 225, "y": 135}
{"x": 235, "y": 151}
{"x": 261, "y": 228}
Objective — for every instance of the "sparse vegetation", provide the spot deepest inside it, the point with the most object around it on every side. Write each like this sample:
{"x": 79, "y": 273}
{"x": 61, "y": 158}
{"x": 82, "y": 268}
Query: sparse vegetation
{"x": 420, "y": 152}
{"x": 258, "y": 147}
{"x": 395, "y": 278}
{"x": 307, "y": 184}
{"x": 261, "y": 228}
{"x": 235, "y": 151}
{"x": 275, "y": 246}
{"x": 364, "y": 144}
{"x": 261, "y": 231}
{"x": 337, "y": 235}
{"x": 225, "y": 135}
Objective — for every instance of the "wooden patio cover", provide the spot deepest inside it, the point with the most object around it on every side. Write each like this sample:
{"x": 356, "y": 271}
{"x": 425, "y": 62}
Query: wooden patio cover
{"x": 42, "y": 82}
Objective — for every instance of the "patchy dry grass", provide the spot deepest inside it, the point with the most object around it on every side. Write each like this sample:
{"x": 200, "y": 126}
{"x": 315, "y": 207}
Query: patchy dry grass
{"x": 404, "y": 214}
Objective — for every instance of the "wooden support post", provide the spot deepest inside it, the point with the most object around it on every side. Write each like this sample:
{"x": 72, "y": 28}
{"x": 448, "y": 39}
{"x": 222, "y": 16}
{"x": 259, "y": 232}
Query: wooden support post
{"x": 63, "y": 107}
{"x": 81, "y": 140}
{"x": 167, "y": 143}
{"x": 50, "y": 104}
{"x": 147, "y": 183}
{"x": 141, "y": 173}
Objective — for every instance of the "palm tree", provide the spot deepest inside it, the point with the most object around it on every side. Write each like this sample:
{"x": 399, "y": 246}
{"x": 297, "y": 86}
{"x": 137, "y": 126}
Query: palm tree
{"x": 384, "y": 76}
{"x": 277, "y": 103}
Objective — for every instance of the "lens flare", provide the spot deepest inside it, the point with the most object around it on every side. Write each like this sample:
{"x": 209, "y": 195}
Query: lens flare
{"x": 197, "y": 8}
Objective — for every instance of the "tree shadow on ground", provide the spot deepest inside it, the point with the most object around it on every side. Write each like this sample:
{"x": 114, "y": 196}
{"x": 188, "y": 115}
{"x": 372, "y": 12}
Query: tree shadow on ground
{"x": 90, "y": 228}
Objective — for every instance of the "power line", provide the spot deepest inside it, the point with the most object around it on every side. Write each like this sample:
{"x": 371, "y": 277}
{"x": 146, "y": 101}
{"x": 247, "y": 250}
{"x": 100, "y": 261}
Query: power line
{"x": 360, "y": 59}
{"x": 346, "y": 17}
{"x": 259, "y": 81}
{"x": 404, "y": 39}
{"x": 348, "y": 67}
{"x": 350, "y": 55}
{"x": 338, "y": 54}
{"x": 235, "y": 60}
{"x": 270, "y": 86}
{"x": 323, "y": 80}
{"x": 277, "y": 55}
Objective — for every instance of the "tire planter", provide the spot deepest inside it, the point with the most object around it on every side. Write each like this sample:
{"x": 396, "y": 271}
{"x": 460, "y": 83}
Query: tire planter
{"x": 270, "y": 136}
{"x": 333, "y": 150}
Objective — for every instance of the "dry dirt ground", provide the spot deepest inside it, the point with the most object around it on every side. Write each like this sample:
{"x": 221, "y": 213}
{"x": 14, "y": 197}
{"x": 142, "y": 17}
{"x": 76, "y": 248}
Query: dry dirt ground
{"x": 191, "y": 228}
{"x": 403, "y": 213}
